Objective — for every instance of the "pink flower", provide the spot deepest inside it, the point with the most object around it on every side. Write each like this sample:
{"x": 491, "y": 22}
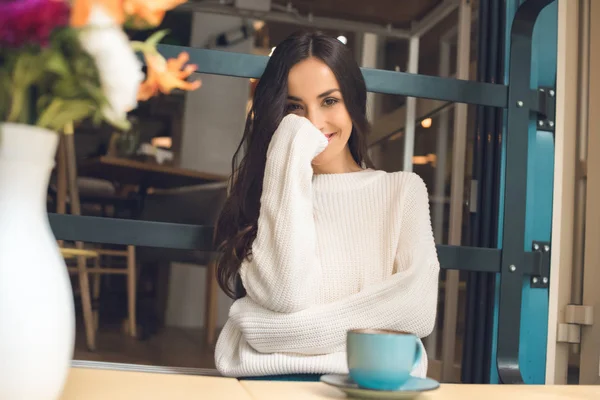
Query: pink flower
{"x": 31, "y": 21}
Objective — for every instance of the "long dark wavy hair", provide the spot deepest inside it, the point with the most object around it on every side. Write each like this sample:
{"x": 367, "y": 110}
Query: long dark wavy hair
{"x": 237, "y": 224}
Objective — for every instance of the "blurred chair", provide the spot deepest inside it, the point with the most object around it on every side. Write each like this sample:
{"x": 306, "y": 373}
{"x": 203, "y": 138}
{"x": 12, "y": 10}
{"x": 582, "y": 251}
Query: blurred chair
{"x": 196, "y": 205}
{"x": 67, "y": 191}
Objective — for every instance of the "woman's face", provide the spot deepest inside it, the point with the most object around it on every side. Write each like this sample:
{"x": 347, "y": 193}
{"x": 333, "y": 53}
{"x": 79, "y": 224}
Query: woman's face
{"x": 314, "y": 93}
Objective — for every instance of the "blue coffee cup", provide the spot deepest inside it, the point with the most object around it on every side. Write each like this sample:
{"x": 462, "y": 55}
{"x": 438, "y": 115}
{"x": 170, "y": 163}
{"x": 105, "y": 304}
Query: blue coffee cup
{"x": 381, "y": 359}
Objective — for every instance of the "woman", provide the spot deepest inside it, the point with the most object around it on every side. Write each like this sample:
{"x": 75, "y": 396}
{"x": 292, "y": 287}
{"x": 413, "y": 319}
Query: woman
{"x": 322, "y": 243}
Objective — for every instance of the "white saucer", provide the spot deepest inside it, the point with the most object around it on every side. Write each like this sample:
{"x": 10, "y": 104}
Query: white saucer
{"x": 412, "y": 388}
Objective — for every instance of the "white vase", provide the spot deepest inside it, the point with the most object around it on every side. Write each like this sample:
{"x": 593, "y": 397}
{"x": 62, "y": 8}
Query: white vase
{"x": 37, "y": 316}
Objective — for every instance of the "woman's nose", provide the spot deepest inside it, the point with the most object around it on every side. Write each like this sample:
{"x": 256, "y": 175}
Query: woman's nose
{"x": 317, "y": 119}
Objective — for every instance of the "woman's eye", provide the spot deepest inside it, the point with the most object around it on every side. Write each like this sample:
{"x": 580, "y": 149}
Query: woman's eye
{"x": 330, "y": 102}
{"x": 293, "y": 107}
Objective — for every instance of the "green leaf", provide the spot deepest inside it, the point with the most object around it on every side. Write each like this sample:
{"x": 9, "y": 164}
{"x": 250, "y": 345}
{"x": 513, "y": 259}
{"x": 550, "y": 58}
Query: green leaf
{"x": 75, "y": 112}
{"x": 46, "y": 116}
{"x": 24, "y": 75}
{"x": 57, "y": 64}
{"x": 5, "y": 94}
{"x": 156, "y": 37}
{"x": 61, "y": 112}
{"x": 150, "y": 44}
{"x": 27, "y": 70}
{"x": 95, "y": 93}
{"x": 123, "y": 124}
{"x": 18, "y": 105}
{"x": 97, "y": 118}
{"x": 68, "y": 88}
{"x": 42, "y": 102}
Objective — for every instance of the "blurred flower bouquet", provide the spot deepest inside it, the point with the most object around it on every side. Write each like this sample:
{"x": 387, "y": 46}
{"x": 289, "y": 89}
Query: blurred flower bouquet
{"x": 64, "y": 61}
{"x": 60, "y": 62}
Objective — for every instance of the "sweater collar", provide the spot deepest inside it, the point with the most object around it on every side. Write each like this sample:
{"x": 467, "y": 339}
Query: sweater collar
{"x": 345, "y": 181}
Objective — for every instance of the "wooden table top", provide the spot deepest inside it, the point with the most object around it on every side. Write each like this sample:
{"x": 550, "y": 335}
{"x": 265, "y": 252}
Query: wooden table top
{"x": 265, "y": 390}
{"x": 102, "y": 384}
{"x": 127, "y": 171}
{"x": 97, "y": 384}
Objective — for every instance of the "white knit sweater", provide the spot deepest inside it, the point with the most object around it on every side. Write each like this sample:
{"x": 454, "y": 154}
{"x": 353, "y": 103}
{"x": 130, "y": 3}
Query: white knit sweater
{"x": 333, "y": 252}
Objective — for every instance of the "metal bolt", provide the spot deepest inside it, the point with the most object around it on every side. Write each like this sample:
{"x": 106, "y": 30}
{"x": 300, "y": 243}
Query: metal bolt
{"x": 541, "y": 123}
{"x": 545, "y": 280}
{"x": 551, "y": 93}
{"x": 519, "y": 104}
{"x": 535, "y": 280}
{"x": 536, "y": 246}
{"x": 551, "y": 123}
{"x": 546, "y": 247}
{"x": 512, "y": 268}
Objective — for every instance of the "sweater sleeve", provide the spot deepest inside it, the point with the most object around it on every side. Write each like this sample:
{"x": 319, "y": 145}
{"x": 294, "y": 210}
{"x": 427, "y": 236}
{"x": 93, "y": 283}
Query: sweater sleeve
{"x": 406, "y": 301}
{"x": 284, "y": 250}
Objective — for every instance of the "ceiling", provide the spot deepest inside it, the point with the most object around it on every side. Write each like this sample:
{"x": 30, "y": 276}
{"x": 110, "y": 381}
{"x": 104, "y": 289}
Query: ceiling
{"x": 399, "y": 13}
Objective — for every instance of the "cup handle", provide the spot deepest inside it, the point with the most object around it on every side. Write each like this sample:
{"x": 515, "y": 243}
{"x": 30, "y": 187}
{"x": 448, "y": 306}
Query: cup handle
{"x": 418, "y": 354}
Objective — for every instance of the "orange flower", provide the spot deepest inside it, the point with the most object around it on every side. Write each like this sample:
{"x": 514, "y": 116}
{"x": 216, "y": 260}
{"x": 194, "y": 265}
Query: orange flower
{"x": 80, "y": 11}
{"x": 148, "y": 12}
{"x": 166, "y": 75}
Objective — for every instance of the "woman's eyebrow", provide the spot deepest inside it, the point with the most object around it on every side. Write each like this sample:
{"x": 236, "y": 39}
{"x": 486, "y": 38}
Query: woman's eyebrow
{"x": 324, "y": 94}
{"x": 327, "y": 93}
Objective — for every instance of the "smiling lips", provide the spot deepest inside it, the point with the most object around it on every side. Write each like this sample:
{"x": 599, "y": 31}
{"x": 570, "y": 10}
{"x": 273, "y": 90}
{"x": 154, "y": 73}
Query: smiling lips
{"x": 329, "y": 136}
